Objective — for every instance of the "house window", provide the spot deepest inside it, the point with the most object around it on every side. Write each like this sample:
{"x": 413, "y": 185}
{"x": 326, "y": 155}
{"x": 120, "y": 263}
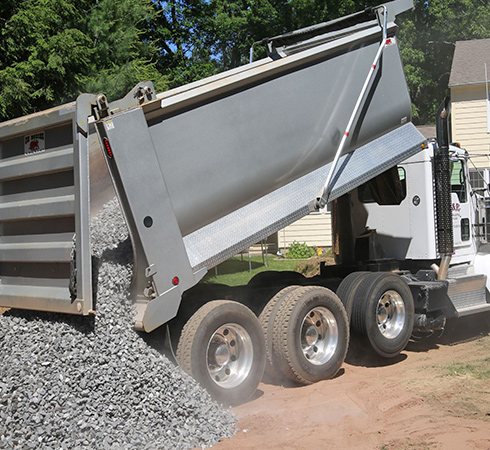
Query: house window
{"x": 476, "y": 179}
{"x": 479, "y": 179}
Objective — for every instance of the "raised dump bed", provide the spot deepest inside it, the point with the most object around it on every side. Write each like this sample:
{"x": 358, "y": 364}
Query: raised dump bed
{"x": 211, "y": 168}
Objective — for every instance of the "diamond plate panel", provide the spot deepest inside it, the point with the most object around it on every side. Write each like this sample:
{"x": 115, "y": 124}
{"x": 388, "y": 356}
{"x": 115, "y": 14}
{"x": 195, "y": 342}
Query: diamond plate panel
{"x": 468, "y": 293}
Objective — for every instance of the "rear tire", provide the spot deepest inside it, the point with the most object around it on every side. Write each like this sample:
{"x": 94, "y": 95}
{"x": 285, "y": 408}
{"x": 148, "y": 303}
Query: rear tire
{"x": 266, "y": 319}
{"x": 310, "y": 335}
{"x": 383, "y": 311}
{"x": 348, "y": 288}
{"x": 222, "y": 346}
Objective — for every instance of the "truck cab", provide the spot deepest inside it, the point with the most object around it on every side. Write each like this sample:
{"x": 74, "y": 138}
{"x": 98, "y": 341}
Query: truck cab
{"x": 400, "y": 206}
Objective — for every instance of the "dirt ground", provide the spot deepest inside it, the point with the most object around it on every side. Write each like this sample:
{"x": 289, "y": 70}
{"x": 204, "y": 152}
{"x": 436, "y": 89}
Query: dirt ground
{"x": 436, "y": 395}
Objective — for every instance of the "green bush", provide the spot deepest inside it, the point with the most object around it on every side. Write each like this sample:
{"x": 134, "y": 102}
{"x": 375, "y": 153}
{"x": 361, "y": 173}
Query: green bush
{"x": 300, "y": 251}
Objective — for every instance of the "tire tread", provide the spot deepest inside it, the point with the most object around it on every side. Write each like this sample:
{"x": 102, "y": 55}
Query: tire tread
{"x": 266, "y": 319}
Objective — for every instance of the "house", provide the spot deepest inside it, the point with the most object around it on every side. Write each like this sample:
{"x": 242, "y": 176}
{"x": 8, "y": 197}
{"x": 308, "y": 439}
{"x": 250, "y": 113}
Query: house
{"x": 470, "y": 117}
{"x": 315, "y": 229}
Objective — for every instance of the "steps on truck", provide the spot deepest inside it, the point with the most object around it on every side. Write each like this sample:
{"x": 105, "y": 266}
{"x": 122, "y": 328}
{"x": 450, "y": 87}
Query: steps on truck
{"x": 467, "y": 291}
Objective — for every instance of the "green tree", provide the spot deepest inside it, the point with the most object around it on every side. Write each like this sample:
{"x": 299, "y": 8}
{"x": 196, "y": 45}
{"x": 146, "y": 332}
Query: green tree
{"x": 123, "y": 52}
{"x": 42, "y": 53}
{"x": 303, "y": 13}
{"x": 237, "y": 24}
{"x": 427, "y": 38}
{"x": 52, "y": 50}
{"x": 179, "y": 30}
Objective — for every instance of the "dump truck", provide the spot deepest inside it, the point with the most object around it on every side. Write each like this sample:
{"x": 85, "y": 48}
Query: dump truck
{"x": 205, "y": 170}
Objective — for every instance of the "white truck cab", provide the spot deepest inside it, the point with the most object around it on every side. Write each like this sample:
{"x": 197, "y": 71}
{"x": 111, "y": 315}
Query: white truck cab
{"x": 404, "y": 221}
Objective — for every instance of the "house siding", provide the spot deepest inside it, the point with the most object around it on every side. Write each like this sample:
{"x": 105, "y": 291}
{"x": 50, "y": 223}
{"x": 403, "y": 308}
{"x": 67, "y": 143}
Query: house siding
{"x": 314, "y": 229}
{"x": 469, "y": 122}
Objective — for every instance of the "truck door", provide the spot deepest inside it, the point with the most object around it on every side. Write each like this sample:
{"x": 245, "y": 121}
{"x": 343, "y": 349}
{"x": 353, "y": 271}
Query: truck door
{"x": 461, "y": 211}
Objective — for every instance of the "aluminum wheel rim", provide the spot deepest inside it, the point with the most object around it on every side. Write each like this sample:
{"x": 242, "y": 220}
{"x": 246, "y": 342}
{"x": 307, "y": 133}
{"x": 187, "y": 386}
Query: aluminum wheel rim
{"x": 390, "y": 314}
{"x": 229, "y": 355}
{"x": 319, "y": 335}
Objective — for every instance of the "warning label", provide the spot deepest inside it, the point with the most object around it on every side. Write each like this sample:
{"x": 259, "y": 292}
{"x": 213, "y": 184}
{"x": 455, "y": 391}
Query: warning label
{"x": 34, "y": 143}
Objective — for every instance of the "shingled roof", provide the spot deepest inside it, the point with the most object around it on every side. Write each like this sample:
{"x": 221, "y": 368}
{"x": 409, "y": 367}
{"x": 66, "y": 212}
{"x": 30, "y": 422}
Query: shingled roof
{"x": 468, "y": 62}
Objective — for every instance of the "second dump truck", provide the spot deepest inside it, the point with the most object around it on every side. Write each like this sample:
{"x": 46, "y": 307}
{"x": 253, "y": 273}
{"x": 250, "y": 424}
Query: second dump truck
{"x": 206, "y": 170}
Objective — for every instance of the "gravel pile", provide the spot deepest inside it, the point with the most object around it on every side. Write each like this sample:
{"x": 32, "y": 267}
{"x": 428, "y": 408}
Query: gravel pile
{"x": 68, "y": 382}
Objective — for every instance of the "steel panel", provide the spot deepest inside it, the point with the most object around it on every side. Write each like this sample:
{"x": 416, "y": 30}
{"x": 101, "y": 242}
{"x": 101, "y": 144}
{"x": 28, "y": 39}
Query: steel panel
{"x": 154, "y": 230}
{"x": 37, "y": 208}
{"x": 56, "y": 116}
{"x": 43, "y": 201}
{"x": 35, "y": 194}
{"x": 36, "y": 251}
{"x": 251, "y": 133}
{"x": 44, "y": 298}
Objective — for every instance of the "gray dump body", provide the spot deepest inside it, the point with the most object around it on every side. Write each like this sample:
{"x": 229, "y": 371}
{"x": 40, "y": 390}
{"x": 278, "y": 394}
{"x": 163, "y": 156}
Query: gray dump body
{"x": 206, "y": 170}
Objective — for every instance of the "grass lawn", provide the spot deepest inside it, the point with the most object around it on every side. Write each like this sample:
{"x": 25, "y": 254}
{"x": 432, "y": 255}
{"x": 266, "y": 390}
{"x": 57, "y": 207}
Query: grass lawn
{"x": 235, "y": 271}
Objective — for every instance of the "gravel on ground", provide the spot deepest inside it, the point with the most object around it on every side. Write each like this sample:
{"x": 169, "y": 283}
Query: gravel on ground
{"x": 69, "y": 382}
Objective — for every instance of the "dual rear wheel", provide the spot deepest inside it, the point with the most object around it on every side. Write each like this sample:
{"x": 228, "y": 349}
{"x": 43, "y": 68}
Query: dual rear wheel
{"x": 381, "y": 310}
{"x": 307, "y": 334}
{"x": 303, "y": 331}
{"x": 222, "y": 346}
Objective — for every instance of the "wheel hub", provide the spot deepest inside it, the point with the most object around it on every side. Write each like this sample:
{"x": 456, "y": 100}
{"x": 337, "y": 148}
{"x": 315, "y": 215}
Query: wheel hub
{"x": 311, "y": 335}
{"x": 319, "y": 335}
{"x": 390, "y": 314}
{"x": 229, "y": 355}
{"x": 222, "y": 355}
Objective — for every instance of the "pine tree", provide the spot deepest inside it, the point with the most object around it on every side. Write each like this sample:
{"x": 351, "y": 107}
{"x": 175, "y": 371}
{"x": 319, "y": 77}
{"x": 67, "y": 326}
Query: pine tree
{"x": 53, "y": 50}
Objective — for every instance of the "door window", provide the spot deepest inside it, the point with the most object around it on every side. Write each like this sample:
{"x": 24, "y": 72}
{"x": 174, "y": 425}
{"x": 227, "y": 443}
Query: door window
{"x": 458, "y": 183}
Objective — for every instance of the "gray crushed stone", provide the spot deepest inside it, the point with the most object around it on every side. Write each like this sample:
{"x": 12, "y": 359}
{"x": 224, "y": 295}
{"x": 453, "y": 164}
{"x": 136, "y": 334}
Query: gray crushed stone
{"x": 68, "y": 382}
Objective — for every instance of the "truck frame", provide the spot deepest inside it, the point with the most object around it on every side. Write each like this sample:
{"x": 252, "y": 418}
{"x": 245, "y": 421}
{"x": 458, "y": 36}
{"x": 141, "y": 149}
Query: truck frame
{"x": 206, "y": 170}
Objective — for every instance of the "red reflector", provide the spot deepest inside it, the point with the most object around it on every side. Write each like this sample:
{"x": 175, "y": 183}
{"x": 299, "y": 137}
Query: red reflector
{"x": 107, "y": 147}
{"x": 175, "y": 281}
{"x": 346, "y": 134}
{"x": 388, "y": 41}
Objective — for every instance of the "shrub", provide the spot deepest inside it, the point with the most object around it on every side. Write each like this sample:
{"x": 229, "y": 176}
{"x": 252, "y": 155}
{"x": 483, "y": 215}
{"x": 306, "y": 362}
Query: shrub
{"x": 300, "y": 251}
